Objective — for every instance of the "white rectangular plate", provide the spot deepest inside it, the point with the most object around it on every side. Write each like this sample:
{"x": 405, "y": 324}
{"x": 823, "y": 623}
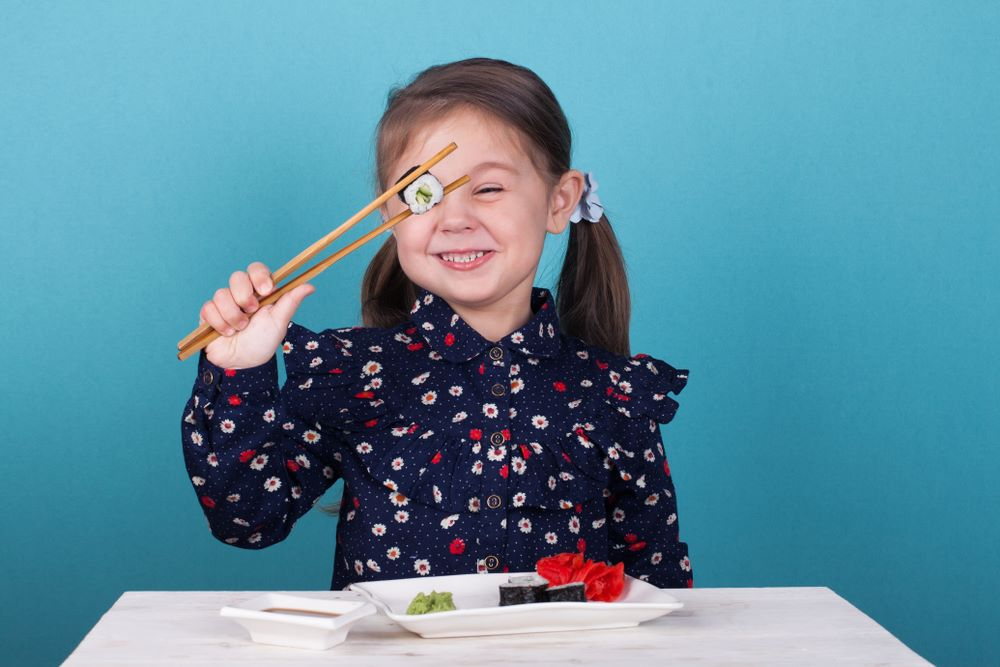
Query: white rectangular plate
{"x": 477, "y": 598}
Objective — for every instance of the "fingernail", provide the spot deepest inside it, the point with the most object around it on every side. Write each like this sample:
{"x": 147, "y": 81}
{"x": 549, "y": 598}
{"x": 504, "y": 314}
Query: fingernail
{"x": 229, "y": 332}
{"x": 265, "y": 288}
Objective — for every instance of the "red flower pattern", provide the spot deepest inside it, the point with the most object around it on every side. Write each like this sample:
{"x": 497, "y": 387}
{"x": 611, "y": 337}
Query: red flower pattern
{"x": 417, "y": 471}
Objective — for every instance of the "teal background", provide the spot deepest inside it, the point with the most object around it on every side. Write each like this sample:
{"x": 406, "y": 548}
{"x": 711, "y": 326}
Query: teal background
{"x": 807, "y": 195}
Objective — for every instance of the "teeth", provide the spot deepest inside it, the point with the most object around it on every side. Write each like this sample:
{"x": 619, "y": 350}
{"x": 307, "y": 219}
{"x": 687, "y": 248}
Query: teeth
{"x": 463, "y": 258}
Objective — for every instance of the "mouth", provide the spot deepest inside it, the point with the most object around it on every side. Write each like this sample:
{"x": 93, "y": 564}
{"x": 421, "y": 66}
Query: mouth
{"x": 465, "y": 261}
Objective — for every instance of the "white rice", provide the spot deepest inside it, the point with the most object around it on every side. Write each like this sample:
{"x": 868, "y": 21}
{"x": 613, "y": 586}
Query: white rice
{"x": 415, "y": 194}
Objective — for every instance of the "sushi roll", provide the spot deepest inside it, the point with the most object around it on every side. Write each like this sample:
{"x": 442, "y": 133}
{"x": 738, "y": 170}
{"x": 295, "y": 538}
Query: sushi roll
{"x": 423, "y": 193}
{"x": 571, "y": 592}
{"x": 523, "y": 589}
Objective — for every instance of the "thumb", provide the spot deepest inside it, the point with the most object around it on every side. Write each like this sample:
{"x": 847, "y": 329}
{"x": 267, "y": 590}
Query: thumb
{"x": 285, "y": 307}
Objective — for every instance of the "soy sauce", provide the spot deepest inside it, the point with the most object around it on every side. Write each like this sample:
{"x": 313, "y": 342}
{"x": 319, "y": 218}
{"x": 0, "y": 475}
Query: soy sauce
{"x": 303, "y": 612}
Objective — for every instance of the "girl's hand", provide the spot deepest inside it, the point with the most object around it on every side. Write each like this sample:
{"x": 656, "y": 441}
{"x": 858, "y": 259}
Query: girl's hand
{"x": 250, "y": 334}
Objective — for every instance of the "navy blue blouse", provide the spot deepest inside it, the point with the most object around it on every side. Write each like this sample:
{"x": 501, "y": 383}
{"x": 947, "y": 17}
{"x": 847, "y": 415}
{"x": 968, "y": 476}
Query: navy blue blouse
{"x": 458, "y": 454}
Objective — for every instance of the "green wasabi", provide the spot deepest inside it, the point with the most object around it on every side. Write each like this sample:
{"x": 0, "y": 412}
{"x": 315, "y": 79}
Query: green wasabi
{"x": 426, "y": 604}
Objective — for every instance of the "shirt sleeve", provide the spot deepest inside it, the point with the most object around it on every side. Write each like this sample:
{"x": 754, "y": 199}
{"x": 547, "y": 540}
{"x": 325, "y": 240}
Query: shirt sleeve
{"x": 643, "y": 529}
{"x": 256, "y": 460}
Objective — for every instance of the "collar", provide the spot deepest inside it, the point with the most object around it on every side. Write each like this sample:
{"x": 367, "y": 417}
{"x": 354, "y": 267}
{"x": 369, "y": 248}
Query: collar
{"x": 454, "y": 339}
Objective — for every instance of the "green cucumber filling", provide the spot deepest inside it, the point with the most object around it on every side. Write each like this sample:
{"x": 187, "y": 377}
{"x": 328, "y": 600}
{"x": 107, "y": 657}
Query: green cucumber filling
{"x": 423, "y": 195}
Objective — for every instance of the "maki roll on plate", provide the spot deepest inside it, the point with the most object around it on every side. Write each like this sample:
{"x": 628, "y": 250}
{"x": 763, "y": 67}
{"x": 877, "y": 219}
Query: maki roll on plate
{"x": 423, "y": 193}
{"x": 571, "y": 592}
{"x": 523, "y": 589}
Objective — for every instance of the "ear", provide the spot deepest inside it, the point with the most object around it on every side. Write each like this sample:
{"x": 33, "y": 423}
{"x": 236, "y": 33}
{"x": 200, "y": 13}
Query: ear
{"x": 565, "y": 196}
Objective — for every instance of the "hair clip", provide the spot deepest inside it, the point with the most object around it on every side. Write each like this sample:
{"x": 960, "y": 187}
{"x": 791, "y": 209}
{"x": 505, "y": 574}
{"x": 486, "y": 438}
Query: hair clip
{"x": 589, "y": 206}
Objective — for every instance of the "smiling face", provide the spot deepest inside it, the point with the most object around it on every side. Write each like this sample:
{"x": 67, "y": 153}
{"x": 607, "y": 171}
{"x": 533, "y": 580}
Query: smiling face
{"x": 503, "y": 212}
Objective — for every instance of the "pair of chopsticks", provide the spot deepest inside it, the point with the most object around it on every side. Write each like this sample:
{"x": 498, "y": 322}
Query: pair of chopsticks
{"x": 205, "y": 334}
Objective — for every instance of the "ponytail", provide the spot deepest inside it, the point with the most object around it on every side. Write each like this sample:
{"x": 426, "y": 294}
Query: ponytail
{"x": 593, "y": 301}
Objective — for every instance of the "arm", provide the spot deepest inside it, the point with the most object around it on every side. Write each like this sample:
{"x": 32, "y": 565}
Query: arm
{"x": 256, "y": 463}
{"x": 643, "y": 530}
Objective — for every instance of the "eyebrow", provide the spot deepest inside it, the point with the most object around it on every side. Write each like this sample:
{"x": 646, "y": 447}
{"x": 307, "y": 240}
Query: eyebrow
{"x": 495, "y": 165}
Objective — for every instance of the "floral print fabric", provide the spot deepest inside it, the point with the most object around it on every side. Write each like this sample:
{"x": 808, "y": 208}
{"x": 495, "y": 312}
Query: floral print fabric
{"x": 458, "y": 454}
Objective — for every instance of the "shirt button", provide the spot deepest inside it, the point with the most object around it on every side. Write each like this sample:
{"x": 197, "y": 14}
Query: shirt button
{"x": 207, "y": 377}
{"x": 493, "y": 502}
{"x": 498, "y": 389}
{"x": 497, "y": 438}
{"x": 492, "y": 562}
{"x": 496, "y": 353}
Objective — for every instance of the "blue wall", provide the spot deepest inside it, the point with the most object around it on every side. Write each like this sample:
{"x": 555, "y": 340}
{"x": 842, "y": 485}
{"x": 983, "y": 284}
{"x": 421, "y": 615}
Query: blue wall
{"x": 807, "y": 196}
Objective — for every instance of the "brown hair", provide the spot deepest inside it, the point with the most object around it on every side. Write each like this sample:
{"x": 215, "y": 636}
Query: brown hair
{"x": 592, "y": 295}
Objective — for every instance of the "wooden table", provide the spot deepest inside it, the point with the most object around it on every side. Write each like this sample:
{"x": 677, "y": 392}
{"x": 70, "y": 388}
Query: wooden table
{"x": 745, "y": 626}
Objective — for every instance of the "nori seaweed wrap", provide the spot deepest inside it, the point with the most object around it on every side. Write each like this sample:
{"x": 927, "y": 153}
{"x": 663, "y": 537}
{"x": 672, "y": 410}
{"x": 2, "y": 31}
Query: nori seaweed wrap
{"x": 571, "y": 592}
{"x": 523, "y": 589}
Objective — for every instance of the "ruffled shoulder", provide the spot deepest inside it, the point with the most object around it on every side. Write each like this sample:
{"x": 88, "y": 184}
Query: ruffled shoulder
{"x": 630, "y": 397}
{"x": 328, "y": 378}
{"x": 637, "y": 386}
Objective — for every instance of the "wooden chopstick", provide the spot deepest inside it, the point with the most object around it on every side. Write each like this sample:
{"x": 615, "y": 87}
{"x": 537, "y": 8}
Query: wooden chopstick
{"x": 316, "y": 247}
{"x": 200, "y": 341}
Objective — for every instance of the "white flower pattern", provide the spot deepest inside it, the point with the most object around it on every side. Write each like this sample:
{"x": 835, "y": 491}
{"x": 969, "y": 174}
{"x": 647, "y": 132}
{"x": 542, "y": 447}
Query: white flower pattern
{"x": 430, "y": 425}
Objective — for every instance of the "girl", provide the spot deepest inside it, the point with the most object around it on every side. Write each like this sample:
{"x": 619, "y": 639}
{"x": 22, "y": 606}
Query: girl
{"x": 478, "y": 422}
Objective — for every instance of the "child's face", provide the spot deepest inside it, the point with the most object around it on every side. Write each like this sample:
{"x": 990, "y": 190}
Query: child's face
{"x": 506, "y": 212}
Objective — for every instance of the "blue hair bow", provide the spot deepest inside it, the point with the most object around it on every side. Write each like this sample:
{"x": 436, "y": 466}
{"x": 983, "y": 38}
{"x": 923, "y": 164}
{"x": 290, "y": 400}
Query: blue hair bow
{"x": 589, "y": 206}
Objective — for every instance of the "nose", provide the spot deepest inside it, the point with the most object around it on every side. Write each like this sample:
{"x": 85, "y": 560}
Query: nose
{"x": 454, "y": 212}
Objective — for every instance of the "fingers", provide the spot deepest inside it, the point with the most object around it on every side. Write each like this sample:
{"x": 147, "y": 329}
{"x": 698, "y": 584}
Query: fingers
{"x": 242, "y": 290}
{"x": 260, "y": 277}
{"x": 285, "y": 307}
{"x": 230, "y": 312}
{"x": 210, "y": 314}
